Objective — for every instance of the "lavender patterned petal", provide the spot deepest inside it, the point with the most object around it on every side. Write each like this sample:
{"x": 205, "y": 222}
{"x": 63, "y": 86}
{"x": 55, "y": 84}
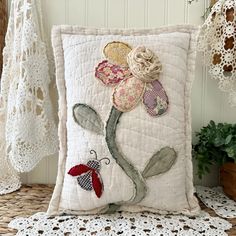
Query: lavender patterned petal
{"x": 155, "y": 99}
{"x": 149, "y": 99}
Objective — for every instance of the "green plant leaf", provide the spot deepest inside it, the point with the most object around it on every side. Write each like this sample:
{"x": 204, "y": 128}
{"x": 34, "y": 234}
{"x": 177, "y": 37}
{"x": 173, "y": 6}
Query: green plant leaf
{"x": 160, "y": 162}
{"x": 231, "y": 151}
{"x": 228, "y": 139}
{"x": 212, "y": 124}
{"x": 219, "y": 141}
{"x": 216, "y": 144}
{"x": 87, "y": 118}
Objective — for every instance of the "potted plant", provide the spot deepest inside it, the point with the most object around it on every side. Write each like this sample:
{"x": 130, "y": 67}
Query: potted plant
{"x": 217, "y": 144}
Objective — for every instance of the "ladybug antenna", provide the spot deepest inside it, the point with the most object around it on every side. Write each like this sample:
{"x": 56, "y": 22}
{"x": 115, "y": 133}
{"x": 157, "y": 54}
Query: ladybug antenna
{"x": 95, "y": 153}
{"x": 107, "y": 160}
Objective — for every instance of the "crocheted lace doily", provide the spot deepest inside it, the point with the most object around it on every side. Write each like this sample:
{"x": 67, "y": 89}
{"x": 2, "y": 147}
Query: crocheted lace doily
{"x": 30, "y": 130}
{"x": 217, "y": 40}
{"x": 138, "y": 224}
{"x": 215, "y": 199}
{"x": 9, "y": 179}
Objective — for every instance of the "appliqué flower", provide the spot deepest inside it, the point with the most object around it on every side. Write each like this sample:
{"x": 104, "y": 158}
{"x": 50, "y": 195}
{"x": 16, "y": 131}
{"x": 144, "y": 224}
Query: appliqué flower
{"x": 134, "y": 74}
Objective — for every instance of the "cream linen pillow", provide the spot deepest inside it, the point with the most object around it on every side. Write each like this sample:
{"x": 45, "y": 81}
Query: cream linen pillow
{"x": 125, "y": 124}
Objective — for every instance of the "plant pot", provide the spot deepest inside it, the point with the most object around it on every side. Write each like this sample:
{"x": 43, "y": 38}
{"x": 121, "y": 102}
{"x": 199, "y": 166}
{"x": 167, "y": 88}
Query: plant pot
{"x": 228, "y": 179}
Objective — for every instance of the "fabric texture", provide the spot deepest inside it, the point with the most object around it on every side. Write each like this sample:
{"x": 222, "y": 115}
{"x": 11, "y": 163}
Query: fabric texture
{"x": 148, "y": 146}
{"x": 28, "y": 131}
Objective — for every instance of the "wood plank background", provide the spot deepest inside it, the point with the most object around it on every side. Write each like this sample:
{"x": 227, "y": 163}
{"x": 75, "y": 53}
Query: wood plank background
{"x": 207, "y": 101}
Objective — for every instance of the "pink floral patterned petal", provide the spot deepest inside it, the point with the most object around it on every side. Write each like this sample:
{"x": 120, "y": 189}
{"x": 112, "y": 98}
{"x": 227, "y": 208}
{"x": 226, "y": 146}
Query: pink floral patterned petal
{"x": 155, "y": 99}
{"x": 127, "y": 94}
{"x": 111, "y": 74}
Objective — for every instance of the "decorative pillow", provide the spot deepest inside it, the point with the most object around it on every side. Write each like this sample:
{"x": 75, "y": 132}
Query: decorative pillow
{"x": 125, "y": 125}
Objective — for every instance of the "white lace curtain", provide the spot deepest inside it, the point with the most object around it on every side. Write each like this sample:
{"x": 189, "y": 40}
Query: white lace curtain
{"x": 27, "y": 126}
{"x": 218, "y": 42}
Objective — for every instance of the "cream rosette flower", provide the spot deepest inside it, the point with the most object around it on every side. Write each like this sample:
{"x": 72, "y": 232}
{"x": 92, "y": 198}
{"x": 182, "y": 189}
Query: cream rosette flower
{"x": 144, "y": 64}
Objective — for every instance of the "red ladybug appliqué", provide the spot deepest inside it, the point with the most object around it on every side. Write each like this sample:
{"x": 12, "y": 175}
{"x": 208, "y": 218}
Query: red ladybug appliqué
{"x": 89, "y": 177}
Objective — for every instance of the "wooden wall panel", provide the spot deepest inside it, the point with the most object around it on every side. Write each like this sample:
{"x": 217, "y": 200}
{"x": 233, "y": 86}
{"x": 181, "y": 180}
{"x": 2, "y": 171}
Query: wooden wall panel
{"x": 96, "y": 13}
{"x": 116, "y": 13}
{"x": 156, "y": 15}
{"x": 136, "y": 13}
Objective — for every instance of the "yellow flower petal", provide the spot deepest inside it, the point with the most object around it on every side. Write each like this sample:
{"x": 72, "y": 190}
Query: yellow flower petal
{"x": 116, "y": 52}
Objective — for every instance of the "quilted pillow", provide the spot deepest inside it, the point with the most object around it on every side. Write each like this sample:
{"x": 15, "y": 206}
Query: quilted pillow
{"x": 125, "y": 124}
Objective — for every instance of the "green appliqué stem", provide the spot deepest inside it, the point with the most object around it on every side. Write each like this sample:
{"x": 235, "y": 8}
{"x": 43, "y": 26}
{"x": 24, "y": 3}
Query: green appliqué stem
{"x": 129, "y": 169}
{"x": 86, "y": 117}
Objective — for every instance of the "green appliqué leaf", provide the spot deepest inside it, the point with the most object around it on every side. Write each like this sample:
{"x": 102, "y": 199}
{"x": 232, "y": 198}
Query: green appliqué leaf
{"x": 160, "y": 162}
{"x": 87, "y": 118}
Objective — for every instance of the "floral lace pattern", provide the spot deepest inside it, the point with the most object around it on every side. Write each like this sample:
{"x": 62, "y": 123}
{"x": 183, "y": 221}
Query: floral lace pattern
{"x": 9, "y": 179}
{"x": 139, "y": 224}
{"x": 217, "y": 40}
{"x": 27, "y": 128}
{"x": 215, "y": 199}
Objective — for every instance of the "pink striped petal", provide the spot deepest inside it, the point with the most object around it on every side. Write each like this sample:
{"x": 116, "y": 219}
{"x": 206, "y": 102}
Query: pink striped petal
{"x": 127, "y": 94}
{"x": 111, "y": 74}
{"x": 155, "y": 99}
